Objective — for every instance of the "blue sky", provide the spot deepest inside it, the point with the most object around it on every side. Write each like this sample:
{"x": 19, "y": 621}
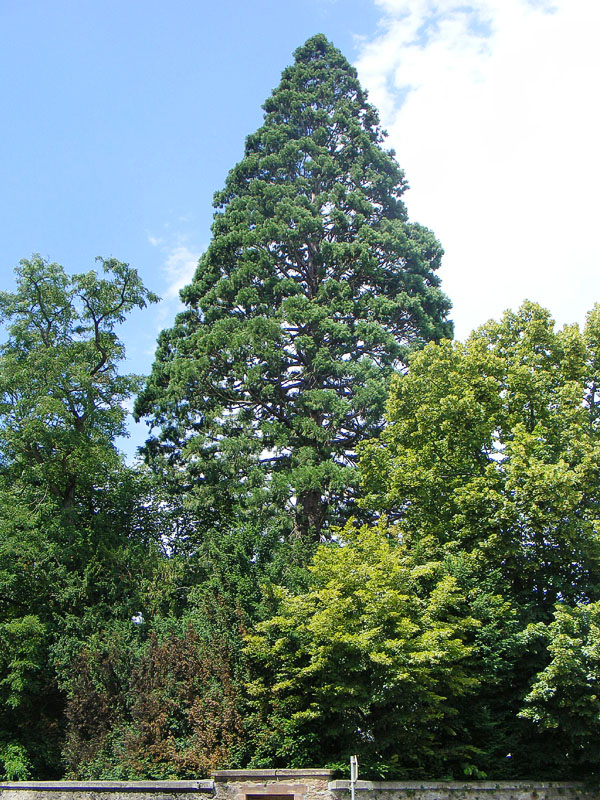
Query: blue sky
{"x": 120, "y": 120}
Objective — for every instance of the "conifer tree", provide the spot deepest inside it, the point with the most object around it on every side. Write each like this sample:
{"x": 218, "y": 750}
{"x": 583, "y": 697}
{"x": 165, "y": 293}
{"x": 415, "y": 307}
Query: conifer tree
{"x": 313, "y": 289}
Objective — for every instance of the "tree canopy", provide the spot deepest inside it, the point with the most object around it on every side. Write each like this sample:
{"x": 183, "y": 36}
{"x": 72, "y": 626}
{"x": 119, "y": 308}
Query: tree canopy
{"x": 370, "y": 660}
{"x": 489, "y": 465}
{"x": 60, "y": 392}
{"x": 493, "y": 448}
{"x": 223, "y": 609}
{"x": 73, "y": 524}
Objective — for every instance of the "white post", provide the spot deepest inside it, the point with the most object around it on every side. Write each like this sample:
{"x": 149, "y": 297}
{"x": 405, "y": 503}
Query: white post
{"x": 353, "y": 774}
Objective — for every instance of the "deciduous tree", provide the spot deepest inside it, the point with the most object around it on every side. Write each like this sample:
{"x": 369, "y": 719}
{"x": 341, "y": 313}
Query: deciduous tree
{"x": 564, "y": 698}
{"x": 489, "y": 464}
{"x": 60, "y": 393}
{"x": 74, "y": 536}
{"x": 493, "y": 447}
{"x": 373, "y": 660}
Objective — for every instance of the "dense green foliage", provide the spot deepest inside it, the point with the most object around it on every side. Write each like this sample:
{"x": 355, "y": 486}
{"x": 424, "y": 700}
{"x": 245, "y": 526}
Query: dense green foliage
{"x": 490, "y": 465}
{"x": 493, "y": 449}
{"x": 60, "y": 392}
{"x": 564, "y": 697}
{"x": 362, "y": 662}
{"x": 312, "y": 289}
{"x": 75, "y": 533}
{"x": 163, "y": 622}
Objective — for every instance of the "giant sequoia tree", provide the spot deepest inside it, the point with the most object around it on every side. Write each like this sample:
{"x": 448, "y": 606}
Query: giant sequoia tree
{"x": 313, "y": 288}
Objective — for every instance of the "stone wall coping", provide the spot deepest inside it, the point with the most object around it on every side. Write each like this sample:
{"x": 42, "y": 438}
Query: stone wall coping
{"x": 110, "y": 786}
{"x": 485, "y": 786}
{"x": 207, "y": 786}
{"x": 269, "y": 774}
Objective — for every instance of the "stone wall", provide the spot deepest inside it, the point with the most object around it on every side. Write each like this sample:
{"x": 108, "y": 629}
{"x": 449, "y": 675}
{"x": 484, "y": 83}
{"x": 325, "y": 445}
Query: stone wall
{"x": 272, "y": 784}
{"x": 107, "y": 790}
{"x": 291, "y": 784}
{"x": 458, "y": 790}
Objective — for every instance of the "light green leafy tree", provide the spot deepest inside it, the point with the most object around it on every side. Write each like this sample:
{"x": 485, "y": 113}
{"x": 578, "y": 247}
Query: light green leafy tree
{"x": 490, "y": 464}
{"x": 371, "y": 660}
{"x": 493, "y": 449}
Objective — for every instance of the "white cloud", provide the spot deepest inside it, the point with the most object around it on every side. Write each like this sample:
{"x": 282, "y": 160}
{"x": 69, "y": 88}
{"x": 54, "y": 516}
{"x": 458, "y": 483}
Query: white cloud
{"x": 492, "y": 110}
{"x": 179, "y": 267}
{"x": 179, "y": 261}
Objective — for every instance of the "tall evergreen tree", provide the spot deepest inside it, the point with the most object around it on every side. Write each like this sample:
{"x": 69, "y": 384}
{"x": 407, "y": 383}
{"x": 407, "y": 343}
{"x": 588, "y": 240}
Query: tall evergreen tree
{"x": 313, "y": 289}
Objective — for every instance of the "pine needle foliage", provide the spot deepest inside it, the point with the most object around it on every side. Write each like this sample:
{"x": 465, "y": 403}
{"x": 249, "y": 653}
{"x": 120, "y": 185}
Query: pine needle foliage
{"x": 315, "y": 286}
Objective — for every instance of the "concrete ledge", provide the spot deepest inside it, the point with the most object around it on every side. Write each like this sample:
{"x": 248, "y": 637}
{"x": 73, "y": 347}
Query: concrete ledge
{"x": 269, "y": 774}
{"x": 110, "y": 786}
